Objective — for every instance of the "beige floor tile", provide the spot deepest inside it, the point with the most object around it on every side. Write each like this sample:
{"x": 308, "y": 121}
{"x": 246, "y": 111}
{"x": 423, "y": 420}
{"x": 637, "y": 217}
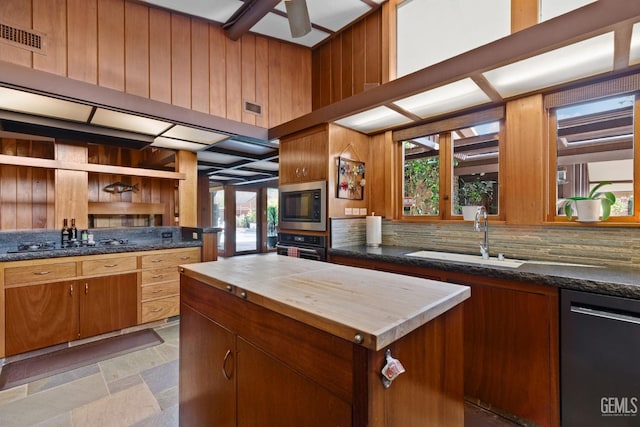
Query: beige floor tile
{"x": 53, "y": 402}
{"x": 12, "y": 394}
{"x": 118, "y": 410}
{"x": 130, "y": 364}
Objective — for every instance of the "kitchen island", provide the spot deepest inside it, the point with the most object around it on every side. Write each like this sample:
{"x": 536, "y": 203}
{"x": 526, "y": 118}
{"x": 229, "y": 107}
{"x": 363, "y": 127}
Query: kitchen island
{"x": 274, "y": 340}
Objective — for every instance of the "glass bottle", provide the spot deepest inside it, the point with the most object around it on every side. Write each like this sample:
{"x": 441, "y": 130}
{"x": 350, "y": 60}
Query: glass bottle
{"x": 65, "y": 234}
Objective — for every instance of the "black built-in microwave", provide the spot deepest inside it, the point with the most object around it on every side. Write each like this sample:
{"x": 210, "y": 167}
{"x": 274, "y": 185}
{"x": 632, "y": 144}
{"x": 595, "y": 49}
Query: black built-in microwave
{"x": 303, "y": 206}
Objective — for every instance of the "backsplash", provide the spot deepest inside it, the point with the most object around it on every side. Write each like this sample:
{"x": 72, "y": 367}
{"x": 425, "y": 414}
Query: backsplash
{"x": 9, "y": 240}
{"x": 618, "y": 246}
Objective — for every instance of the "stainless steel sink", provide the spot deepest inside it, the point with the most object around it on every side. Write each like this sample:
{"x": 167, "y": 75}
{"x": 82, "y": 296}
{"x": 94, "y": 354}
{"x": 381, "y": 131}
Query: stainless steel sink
{"x": 492, "y": 261}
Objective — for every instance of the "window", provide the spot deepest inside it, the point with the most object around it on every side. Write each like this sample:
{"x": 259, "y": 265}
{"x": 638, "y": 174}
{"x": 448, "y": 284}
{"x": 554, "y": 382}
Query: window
{"x": 475, "y": 167}
{"x": 594, "y": 144}
{"x": 421, "y": 193}
{"x": 442, "y": 172}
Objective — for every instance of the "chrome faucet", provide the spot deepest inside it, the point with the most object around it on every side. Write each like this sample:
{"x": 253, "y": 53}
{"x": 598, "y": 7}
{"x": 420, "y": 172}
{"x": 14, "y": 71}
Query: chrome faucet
{"x": 484, "y": 246}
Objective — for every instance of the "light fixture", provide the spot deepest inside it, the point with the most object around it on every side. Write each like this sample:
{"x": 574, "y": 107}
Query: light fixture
{"x": 372, "y": 120}
{"x": 40, "y": 105}
{"x": 444, "y": 99}
{"x": 194, "y": 135}
{"x": 578, "y": 60}
{"x": 177, "y": 144}
{"x": 298, "y": 14}
{"x": 129, "y": 122}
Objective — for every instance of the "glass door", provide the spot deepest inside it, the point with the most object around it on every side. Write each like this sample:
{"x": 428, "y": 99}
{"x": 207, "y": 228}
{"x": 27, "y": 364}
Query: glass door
{"x": 246, "y": 221}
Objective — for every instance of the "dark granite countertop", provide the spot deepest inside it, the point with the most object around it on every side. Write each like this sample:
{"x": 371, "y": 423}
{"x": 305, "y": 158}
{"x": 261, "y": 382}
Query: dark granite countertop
{"x": 98, "y": 250}
{"x": 616, "y": 281}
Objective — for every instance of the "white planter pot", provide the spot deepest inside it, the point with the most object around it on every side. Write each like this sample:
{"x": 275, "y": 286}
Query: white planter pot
{"x": 588, "y": 210}
{"x": 469, "y": 212}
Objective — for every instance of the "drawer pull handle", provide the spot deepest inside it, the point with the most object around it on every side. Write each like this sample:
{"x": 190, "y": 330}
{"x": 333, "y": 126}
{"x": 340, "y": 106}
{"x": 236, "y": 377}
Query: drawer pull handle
{"x": 41, "y": 273}
{"x": 184, "y": 258}
{"x": 71, "y": 290}
{"x": 110, "y": 265}
{"x": 155, "y": 310}
{"x": 224, "y": 365}
{"x": 157, "y": 276}
{"x": 156, "y": 291}
{"x": 86, "y": 288}
{"x": 156, "y": 260}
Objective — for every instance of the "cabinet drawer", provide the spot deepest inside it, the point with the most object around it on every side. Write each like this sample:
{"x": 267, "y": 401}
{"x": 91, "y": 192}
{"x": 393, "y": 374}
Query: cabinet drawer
{"x": 160, "y": 309}
{"x": 158, "y": 275}
{"x": 161, "y": 290}
{"x": 32, "y": 273}
{"x": 109, "y": 265}
{"x": 168, "y": 259}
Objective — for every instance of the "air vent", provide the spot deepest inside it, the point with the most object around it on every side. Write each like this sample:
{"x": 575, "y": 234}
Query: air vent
{"x": 21, "y": 38}
{"x": 250, "y": 107}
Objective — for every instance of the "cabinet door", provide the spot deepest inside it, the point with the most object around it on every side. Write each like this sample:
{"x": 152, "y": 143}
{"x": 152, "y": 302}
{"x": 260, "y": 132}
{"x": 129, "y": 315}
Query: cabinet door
{"x": 508, "y": 359}
{"x": 304, "y": 157}
{"x": 269, "y": 394}
{"x": 108, "y": 303}
{"x": 38, "y": 316}
{"x": 207, "y": 372}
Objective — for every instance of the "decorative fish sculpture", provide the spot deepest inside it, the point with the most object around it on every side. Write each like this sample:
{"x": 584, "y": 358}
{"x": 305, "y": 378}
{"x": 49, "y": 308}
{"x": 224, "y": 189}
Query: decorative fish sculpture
{"x": 120, "y": 187}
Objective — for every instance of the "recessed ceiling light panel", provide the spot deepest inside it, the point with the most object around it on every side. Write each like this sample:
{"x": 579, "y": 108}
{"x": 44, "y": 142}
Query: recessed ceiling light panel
{"x": 583, "y": 59}
{"x": 373, "y": 120}
{"x": 451, "y": 97}
{"x": 130, "y": 122}
{"x": 40, "y": 105}
{"x": 195, "y": 135}
{"x": 634, "y": 53}
{"x": 177, "y": 144}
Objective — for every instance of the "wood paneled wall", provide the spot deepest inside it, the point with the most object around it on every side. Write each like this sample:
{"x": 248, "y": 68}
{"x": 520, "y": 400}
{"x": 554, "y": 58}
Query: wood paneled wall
{"x": 26, "y": 193}
{"x": 168, "y": 57}
{"x": 349, "y": 62}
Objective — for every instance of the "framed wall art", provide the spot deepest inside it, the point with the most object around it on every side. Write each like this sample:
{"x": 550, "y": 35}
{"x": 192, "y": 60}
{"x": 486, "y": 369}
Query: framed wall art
{"x": 350, "y": 179}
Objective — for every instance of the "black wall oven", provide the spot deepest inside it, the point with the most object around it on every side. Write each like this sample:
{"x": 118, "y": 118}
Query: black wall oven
{"x": 302, "y": 246}
{"x": 303, "y": 206}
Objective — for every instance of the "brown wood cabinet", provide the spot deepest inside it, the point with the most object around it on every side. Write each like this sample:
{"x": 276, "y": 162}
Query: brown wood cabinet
{"x": 304, "y": 156}
{"x": 41, "y": 315}
{"x": 107, "y": 304}
{"x": 160, "y": 282}
{"x": 52, "y": 313}
{"x": 511, "y": 356}
{"x": 242, "y": 364}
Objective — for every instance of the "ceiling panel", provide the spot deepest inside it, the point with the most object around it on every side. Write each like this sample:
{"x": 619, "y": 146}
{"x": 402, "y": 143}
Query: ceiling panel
{"x": 209, "y": 156}
{"x": 327, "y": 16}
{"x": 245, "y": 147}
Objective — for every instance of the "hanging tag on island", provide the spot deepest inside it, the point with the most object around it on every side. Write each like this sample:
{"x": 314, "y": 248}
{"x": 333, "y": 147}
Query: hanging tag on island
{"x": 391, "y": 369}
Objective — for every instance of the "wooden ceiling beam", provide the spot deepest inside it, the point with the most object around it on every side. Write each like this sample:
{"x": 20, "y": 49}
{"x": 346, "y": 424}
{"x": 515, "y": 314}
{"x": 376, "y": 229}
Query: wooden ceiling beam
{"x": 247, "y": 16}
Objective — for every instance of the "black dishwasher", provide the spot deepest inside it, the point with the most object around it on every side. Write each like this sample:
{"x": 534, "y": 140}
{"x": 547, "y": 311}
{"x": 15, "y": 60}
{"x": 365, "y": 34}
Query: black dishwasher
{"x": 600, "y": 360}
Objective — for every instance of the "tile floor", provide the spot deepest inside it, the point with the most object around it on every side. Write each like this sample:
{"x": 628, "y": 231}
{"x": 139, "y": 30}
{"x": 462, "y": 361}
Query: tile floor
{"x": 138, "y": 389}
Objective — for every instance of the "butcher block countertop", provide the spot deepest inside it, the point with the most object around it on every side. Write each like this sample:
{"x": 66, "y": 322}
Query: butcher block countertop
{"x": 371, "y": 308}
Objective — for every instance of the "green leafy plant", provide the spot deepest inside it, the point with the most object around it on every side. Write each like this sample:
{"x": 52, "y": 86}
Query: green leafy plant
{"x": 607, "y": 199}
{"x": 475, "y": 193}
{"x": 272, "y": 220}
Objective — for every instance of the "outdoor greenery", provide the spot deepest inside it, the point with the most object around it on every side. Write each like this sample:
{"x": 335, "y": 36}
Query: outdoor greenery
{"x": 475, "y": 193}
{"x": 422, "y": 185}
{"x": 272, "y": 220}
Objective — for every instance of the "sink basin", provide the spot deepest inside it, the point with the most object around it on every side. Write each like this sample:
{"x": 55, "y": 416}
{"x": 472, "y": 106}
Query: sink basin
{"x": 471, "y": 259}
{"x": 493, "y": 261}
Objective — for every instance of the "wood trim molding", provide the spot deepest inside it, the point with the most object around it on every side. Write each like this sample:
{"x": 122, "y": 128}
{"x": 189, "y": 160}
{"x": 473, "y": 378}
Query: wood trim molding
{"x": 125, "y": 208}
{"x": 88, "y": 167}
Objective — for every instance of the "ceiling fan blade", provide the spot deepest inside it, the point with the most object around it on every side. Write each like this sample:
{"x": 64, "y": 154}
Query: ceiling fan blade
{"x": 298, "y": 14}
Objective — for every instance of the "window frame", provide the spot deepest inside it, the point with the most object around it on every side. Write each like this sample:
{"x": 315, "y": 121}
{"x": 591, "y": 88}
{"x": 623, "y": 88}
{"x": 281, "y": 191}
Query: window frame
{"x": 444, "y": 128}
{"x": 590, "y": 93}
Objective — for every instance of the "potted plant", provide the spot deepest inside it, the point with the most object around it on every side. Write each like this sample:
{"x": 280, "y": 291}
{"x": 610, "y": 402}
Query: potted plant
{"x": 272, "y": 226}
{"x": 588, "y": 208}
{"x": 472, "y": 195}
